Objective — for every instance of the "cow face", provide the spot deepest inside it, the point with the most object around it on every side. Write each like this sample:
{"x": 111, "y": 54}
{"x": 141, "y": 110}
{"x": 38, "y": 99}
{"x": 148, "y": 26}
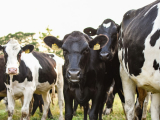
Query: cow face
{"x": 12, "y": 54}
{"x": 108, "y": 28}
{"x": 76, "y": 50}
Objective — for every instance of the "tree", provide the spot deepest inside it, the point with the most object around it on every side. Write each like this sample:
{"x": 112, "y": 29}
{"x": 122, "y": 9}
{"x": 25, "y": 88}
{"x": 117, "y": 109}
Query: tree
{"x": 23, "y": 39}
{"x": 44, "y": 47}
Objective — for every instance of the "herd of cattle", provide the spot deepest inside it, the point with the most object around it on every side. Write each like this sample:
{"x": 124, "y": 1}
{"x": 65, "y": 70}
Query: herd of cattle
{"x": 121, "y": 59}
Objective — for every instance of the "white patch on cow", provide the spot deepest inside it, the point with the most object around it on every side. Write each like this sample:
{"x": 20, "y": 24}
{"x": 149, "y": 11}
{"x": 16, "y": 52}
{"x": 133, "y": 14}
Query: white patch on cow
{"x": 155, "y": 105}
{"x": 108, "y": 111}
{"x": 12, "y": 49}
{"x": 17, "y": 89}
{"x": 107, "y": 25}
{"x": 33, "y": 64}
{"x": 150, "y": 9}
{"x": 110, "y": 90}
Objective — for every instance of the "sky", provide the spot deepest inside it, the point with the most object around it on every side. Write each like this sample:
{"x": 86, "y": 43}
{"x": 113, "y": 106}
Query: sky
{"x": 62, "y": 16}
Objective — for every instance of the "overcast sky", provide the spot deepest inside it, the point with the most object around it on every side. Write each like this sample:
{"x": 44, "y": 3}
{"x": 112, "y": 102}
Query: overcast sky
{"x": 62, "y": 16}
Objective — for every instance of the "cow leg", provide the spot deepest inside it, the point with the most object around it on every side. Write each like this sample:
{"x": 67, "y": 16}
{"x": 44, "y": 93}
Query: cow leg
{"x": 93, "y": 114}
{"x": 35, "y": 104}
{"x": 155, "y": 104}
{"x": 53, "y": 95}
{"x": 68, "y": 105}
{"x": 26, "y": 104}
{"x": 46, "y": 100}
{"x": 129, "y": 88}
{"x": 11, "y": 104}
{"x": 5, "y": 101}
{"x": 86, "y": 110}
{"x": 31, "y": 106}
{"x": 60, "y": 98}
{"x": 75, "y": 107}
{"x": 145, "y": 104}
{"x": 109, "y": 103}
{"x": 101, "y": 105}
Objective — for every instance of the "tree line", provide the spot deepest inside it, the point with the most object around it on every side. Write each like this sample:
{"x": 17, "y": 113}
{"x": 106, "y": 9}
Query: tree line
{"x": 28, "y": 38}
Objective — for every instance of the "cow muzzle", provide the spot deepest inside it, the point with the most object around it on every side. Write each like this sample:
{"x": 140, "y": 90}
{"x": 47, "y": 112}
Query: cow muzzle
{"x": 104, "y": 56}
{"x": 73, "y": 75}
{"x": 12, "y": 71}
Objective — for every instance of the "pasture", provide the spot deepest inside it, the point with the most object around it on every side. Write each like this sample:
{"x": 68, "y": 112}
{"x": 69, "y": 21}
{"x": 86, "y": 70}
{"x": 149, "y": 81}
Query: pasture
{"x": 117, "y": 113}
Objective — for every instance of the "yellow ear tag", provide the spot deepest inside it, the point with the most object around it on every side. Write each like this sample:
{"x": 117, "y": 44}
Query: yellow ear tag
{"x": 54, "y": 46}
{"x": 96, "y": 47}
{"x": 27, "y": 51}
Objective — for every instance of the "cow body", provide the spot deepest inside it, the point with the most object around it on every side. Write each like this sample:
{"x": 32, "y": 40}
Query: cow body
{"x": 139, "y": 55}
{"x": 83, "y": 72}
{"x": 27, "y": 73}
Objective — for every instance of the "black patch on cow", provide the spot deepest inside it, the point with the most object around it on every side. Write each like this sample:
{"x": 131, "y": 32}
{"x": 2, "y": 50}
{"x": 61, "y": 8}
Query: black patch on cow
{"x": 154, "y": 38}
{"x": 2, "y": 74}
{"x": 47, "y": 73}
{"x": 135, "y": 33}
{"x": 155, "y": 65}
{"x": 126, "y": 58}
{"x": 24, "y": 72}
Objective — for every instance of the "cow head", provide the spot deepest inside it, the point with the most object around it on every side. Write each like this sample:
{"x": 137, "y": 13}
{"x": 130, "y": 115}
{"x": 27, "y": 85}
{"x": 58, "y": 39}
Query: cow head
{"x": 76, "y": 50}
{"x": 110, "y": 29}
{"x": 12, "y": 54}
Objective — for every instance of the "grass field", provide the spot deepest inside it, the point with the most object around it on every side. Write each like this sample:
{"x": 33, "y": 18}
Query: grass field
{"x": 116, "y": 115}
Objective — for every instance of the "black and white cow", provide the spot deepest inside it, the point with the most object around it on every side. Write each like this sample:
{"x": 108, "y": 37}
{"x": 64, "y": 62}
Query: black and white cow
{"x": 58, "y": 86}
{"x": 38, "y": 100}
{"x": 27, "y": 73}
{"x": 83, "y": 71}
{"x": 109, "y": 54}
{"x": 139, "y": 50}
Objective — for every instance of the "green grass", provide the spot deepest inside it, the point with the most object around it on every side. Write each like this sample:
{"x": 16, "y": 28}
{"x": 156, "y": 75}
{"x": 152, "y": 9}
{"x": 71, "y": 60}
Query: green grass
{"x": 117, "y": 113}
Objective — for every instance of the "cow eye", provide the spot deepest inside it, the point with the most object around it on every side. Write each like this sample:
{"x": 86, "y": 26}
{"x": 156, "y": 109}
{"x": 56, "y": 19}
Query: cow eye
{"x": 86, "y": 51}
{"x": 114, "y": 35}
{"x": 64, "y": 52}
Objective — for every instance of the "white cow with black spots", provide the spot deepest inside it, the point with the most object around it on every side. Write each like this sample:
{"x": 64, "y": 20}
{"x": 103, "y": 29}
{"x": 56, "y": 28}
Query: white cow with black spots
{"x": 139, "y": 55}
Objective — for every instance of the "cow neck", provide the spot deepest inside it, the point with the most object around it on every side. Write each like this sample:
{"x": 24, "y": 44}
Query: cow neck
{"x": 9, "y": 79}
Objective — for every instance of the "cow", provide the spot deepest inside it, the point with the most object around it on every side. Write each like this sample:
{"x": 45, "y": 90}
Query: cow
{"x": 27, "y": 72}
{"x": 138, "y": 52}
{"x": 109, "y": 54}
{"x": 83, "y": 71}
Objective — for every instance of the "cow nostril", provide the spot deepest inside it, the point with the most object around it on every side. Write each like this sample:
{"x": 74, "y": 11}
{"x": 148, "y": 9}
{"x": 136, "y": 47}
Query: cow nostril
{"x": 69, "y": 75}
{"x": 107, "y": 55}
{"x": 78, "y": 74}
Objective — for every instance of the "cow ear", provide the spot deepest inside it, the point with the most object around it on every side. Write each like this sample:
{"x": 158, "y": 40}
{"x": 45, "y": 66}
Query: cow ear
{"x": 28, "y": 48}
{"x": 53, "y": 42}
{"x": 98, "y": 42}
{"x": 90, "y": 31}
